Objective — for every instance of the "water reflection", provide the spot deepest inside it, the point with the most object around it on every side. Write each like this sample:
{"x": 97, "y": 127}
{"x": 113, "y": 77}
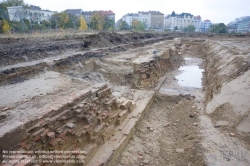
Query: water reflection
{"x": 191, "y": 76}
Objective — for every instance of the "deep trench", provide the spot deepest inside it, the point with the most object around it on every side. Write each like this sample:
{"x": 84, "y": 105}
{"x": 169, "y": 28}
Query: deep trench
{"x": 172, "y": 131}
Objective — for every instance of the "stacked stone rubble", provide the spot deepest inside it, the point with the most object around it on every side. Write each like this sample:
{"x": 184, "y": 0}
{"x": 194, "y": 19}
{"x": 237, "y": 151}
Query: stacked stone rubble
{"x": 148, "y": 73}
{"x": 81, "y": 123}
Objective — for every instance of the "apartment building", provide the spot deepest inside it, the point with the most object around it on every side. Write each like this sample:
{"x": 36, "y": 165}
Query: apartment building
{"x": 240, "y": 25}
{"x": 205, "y": 25}
{"x": 244, "y": 25}
{"x": 181, "y": 21}
{"x": 34, "y": 13}
{"x": 145, "y": 18}
{"x": 76, "y": 12}
{"x": 151, "y": 19}
{"x": 197, "y": 23}
{"x": 128, "y": 18}
{"x": 157, "y": 20}
{"x": 87, "y": 14}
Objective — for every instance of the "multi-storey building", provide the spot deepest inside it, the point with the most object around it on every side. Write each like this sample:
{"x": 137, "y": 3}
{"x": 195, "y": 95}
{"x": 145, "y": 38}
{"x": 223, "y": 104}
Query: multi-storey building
{"x": 205, "y": 25}
{"x": 128, "y": 18}
{"x": 157, "y": 20}
{"x": 109, "y": 14}
{"x": 241, "y": 25}
{"x": 34, "y": 13}
{"x": 87, "y": 15}
{"x": 151, "y": 19}
{"x": 244, "y": 25}
{"x": 145, "y": 18}
{"x": 197, "y": 23}
{"x": 76, "y": 12}
{"x": 181, "y": 21}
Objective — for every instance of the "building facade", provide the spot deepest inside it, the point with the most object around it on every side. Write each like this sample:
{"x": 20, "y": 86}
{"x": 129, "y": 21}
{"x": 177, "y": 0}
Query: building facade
{"x": 180, "y": 21}
{"x": 205, "y": 25}
{"x": 128, "y": 18}
{"x": 244, "y": 25}
{"x": 145, "y": 18}
{"x": 17, "y": 13}
{"x": 87, "y": 15}
{"x": 76, "y": 12}
{"x": 239, "y": 25}
{"x": 157, "y": 20}
{"x": 197, "y": 23}
{"x": 151, "y": 19}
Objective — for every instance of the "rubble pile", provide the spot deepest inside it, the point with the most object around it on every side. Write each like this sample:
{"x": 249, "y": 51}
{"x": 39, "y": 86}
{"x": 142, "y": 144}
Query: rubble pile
{"x": 81, "y": 123}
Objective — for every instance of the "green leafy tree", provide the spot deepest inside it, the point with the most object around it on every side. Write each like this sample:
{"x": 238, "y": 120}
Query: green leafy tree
{"x": 138, "y": 25}
{"x": 63, "y": 21}
{"x": 7, "y": 3}
{"x": 109, "y": 24}
{"x": 83, "y": 24}
{"x": 218, "y": 28}
{"x": 175, "y": 28}
{"x": 97, "y": 21}
{"x": 189, "y": 28}
{"x": 124, "y": 25}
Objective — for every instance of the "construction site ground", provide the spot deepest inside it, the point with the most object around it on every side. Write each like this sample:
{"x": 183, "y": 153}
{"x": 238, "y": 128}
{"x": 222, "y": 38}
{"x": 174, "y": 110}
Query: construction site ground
{"x": 127, "y": 99}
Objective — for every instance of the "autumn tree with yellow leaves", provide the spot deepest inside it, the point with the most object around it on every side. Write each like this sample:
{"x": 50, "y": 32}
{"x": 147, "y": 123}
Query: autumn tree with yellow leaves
{"x": 83, "y": 24}
{"x": 6, "y": 26}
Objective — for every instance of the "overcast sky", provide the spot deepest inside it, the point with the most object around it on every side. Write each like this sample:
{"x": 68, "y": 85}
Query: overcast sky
{"x": 215, "y": 10}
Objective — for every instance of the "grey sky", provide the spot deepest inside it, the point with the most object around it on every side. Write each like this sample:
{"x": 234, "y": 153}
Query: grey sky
{"x": 215, "y": 10}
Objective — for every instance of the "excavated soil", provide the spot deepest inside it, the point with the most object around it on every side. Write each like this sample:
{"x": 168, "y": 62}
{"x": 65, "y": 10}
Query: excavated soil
{"x": 170, "y": 98}
{"x": 168, "y": 135}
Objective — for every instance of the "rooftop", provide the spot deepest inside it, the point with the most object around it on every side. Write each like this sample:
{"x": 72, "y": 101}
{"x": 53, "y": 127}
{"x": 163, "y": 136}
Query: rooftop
{"x": 206, "y": 20}
{"x": 144, "y": 13}
{"x": 102, "y": 12}
{"x": 181, "y": 15}
{"x": 156, "y": 12}
{"x": 197, "y": 17}
{"x": 132, "y": 14}
{"x": 73, "y": 10}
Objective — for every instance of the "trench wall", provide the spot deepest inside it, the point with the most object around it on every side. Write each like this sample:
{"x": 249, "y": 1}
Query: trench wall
{"x": 80, "y": 123}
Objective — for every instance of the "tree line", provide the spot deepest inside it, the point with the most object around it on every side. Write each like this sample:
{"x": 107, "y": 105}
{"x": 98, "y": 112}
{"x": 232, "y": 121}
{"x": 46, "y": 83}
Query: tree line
{"x": 214, "y": 28}
{"x": 57, "y": 21}
{"x": 136, "y": 25}
{"x": 64, "y": 20}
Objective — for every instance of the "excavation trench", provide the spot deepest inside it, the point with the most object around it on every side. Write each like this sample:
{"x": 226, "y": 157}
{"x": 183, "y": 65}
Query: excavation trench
{"x": 152, "y": 103}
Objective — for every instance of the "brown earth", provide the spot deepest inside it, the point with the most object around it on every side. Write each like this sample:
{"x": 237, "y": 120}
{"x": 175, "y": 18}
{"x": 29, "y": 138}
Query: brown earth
{"x": 54, "y": 98}
{"x": 168, "y": 135}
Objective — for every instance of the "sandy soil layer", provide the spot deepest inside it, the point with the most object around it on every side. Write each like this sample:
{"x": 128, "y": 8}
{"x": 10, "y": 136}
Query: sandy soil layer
{"x": 205, "y": 124}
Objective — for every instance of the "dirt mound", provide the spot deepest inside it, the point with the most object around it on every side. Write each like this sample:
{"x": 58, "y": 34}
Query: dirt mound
{"x": 227, "y": 85}
{"x": 29, "y": 49}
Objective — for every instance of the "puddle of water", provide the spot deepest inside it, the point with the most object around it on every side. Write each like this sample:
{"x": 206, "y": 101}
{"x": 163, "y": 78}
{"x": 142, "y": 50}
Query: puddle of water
{"x": 191, "y": 77}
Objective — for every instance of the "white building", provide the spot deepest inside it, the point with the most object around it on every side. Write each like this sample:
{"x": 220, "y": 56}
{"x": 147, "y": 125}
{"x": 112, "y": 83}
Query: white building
{"x": 151, "y": 19}
{"x": 76, "y": 12}
{"x": 145, "y": 17}
{"x": 205, "y": 25}
{"x": 16, "y": 13}
{"x": 197, "y": 23}
{"x": 181, "y": 21}
{"x": 128, "y": 18}
{"x": 240, "y": 25}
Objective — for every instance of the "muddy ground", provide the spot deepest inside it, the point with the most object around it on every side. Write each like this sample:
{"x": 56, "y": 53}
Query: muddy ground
{"x": 192, "y": 121}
